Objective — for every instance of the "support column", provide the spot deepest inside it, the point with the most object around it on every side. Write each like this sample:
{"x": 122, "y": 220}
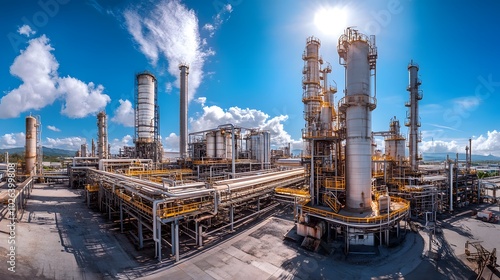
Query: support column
{"x": 258, "y": 204}
{"x": 387, "y": 237}
{"x": 231, "y": 217}
{"x": 200, "y": 235}
{"x": 158, "y": 226}
{"x": 121, "y": 216}
{"x": 139, "y": 229}
{"x": 172, "y": 234}
{"x": 196, "y": 231}
{"x": 176, "y": 240}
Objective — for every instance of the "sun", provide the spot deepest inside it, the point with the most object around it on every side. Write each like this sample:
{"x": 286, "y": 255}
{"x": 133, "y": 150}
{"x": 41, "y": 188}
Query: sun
{"x": 331, "y": 20}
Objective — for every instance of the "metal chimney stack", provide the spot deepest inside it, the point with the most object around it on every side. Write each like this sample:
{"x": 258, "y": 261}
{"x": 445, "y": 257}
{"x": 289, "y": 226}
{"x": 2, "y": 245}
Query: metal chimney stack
{"x": 184, "y": 68}
{"x": 358, "y": 54}
{"x": 412, "y": 117}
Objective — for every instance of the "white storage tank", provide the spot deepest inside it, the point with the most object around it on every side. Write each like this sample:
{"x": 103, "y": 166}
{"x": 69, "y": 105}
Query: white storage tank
{"x": 145, "y": 107}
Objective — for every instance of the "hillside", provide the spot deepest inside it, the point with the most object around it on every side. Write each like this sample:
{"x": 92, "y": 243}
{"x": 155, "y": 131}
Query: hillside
{"x": 49, "y": 152}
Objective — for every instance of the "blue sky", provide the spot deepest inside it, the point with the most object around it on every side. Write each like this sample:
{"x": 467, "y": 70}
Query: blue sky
{"x": 65, "y": 60}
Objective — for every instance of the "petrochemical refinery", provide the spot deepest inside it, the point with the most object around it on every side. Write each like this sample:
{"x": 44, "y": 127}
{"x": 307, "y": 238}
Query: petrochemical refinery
{"x": 345, "y": 194}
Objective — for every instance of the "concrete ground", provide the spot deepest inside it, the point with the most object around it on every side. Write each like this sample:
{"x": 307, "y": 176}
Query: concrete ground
{"x": 60, "y": 238}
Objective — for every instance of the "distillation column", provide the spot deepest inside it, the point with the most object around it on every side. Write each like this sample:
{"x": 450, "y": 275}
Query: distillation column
{"x": 413, "y": 119}
{"x": 358, "y": 54}
{"x": 102, "y": 135}
{"x": 311, "y": 96}
{"x": 30, "y": 152}
{"x": 183, "y": 137}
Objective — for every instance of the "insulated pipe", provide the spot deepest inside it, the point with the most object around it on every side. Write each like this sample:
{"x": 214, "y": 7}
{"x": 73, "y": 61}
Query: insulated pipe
{"x": 102, "y": 162}
{"x": 83, "y": 158}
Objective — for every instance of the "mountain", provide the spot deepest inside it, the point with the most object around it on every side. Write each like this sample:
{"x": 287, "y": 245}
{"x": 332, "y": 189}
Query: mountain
{"x": 51, "y": 152}
{"x": 442, "y": 157}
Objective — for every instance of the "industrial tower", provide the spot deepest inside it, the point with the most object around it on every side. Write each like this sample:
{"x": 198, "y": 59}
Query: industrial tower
{"x": 147, "y": 139}
{"x": 183, "y": 130}
{"x": 412, "y": 117}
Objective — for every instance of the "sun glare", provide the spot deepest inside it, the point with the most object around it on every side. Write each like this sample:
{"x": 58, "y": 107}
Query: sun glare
{"x": 331, "y": 21}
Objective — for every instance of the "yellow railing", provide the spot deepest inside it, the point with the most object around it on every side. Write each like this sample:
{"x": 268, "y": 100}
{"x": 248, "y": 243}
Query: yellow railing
{"x": 334, "y": 184}
{"x": 180, "y": 209}
{"x": 137, "y": 204}
{"x": 294, "y": 192}
{"x": 92, "y": 188}
{"x": 332, "y": 202}
{"x": 158, "y": 172}
{"x": 355, "y": 220}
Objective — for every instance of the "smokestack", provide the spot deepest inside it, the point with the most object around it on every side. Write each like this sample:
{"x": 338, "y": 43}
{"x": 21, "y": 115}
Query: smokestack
{"x": 184, "y": 68}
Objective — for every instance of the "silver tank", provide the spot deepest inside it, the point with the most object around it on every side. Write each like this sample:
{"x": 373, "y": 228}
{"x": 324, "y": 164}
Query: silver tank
{"x": 358, "y": 105}
{"x": 210, "y": 137}
{"x": 145, "y": 112}
{"x": 220, "y": 147}
{"x": 30, "y": 152}
{"x": 229, "y": 146}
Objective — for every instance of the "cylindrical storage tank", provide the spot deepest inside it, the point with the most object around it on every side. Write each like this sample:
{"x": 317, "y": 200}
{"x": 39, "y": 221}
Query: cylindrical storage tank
{"x": 248, "y": 144}
{"x": 358, "y": 127}
{"x": 210, "y": 136}
{"x": 220, "y": 147}
{"x": 30, "y": 151}
{"x": 266, "y": 146}
{"x": 145, "y": 110}
{"x": 229, "y": 146}
{"x": 255, "y": 147}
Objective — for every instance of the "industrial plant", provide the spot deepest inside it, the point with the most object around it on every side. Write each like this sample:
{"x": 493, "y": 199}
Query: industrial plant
{"x": 344, "y": 191}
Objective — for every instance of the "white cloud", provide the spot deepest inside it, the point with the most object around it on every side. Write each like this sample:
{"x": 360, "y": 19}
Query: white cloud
{"x": 468, "y": 103}
{"x": 168, "y": 87}
{"x": 208, "y": 27}
{"x": 487, "y": 145}
{"x": 169, "y": 30}
{"x": 201, "y": 100}
{"x": 171, "y": 143}
{"x": 481, "y": 145}
{"x": 117, "y": 144}
{"x": 81, "y": 99}
{"x": 214, "y": 116}
{"x": 26, "y": 30}
{"x": 68, "y": 143}
{"x": 53, "y": 128}
{"x": 124, "y": 114}
{"x": 37, "y": 68}
{"x": 12, "y": 140}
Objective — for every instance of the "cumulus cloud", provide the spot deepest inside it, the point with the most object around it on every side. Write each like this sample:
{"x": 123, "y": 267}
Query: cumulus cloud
{"x": 170, "y": 30}
{"x": 117, "y": 144}
{"x": 53, "y": 128}
{"x": 481, "y": 145}
{"x": 26, "y": 30}
{"x": 41, "y": 85}
{"x": 214, "y": 116}
{"x": 124, "y": 114}
{"x": 486, "y": 145}
{"x": 12, "y": 140}
{"x": 171, "y": 143}
{"x": 68, "y": 143}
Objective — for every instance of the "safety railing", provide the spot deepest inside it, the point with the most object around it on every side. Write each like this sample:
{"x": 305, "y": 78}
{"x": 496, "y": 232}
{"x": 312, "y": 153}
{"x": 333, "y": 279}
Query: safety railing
{"x": 293, "y": 192}
{"x": 381, "y": 219}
